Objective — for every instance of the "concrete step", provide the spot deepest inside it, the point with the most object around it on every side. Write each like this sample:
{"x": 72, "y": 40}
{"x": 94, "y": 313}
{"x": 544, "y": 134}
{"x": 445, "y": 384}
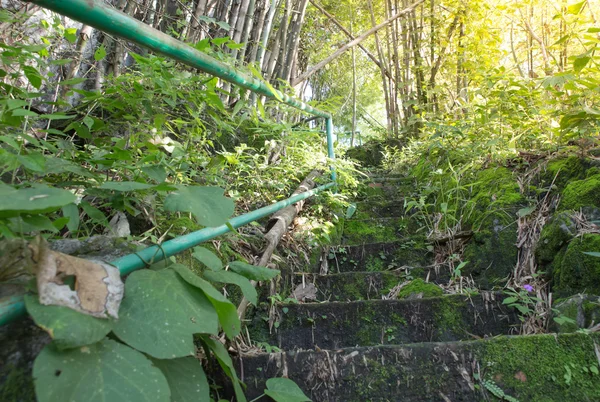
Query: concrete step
{"x": 353, "y": 286}
{"x": 381, "y": 322}
{"x": 530, "y": 368}
{"x": 379, "y": 209}
{"x": 410, "y": 253}
{"x": 379, "y": 230}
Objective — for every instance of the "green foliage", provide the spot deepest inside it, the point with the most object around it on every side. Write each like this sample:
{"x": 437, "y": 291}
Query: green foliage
{"x": 497, "y": 391}
{"x": 172, "y": 311}
{"x": 225, "y": 309}
{"x": 186, "y": 378}
{"x": 82, "y": 374}
{"x": 67, "y": 328}
{"x": 206, "y": 203}
{"x": 253, "y": 272}
{"x": 284, "y": 390}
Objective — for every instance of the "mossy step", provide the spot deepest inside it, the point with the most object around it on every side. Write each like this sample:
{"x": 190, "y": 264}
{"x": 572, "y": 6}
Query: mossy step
{"x": 377, "y": 322}
{"x": 353, "y": 286}
{"x": 378, "y": 209}
{"x": 379, "y": 230}
{"x": 545, "y": 368}
{"x": 411, "y": 254}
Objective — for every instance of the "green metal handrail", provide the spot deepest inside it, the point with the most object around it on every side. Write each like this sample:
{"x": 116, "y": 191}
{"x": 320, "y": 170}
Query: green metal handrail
{"x": 106, "y": 18}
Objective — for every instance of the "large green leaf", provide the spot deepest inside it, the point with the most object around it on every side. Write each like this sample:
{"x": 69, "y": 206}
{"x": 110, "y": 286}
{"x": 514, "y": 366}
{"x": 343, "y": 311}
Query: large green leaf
{"x": 285, "y": 390}
{"x": 67, "y": 327}
{"x": 33, "y": 75}
{"x": 207, "y": 204}
{"x": 225, "y": 309}
{"x": 104, "y": 371}
{"x": 161, "y": 312}
{"x": 575, "y": 9}
{"x": 37, "y": 199}
{"x": 226, "y": 364}
{"x": 231, "y": 277}
{"x": 72, "y": 212}
{"x": 207, "y": 258}
{"x": 125, "y": 186}
{"x": 156, "y": 173}
{"x": 186, "y": 379}
{"x": 252, "y": 271}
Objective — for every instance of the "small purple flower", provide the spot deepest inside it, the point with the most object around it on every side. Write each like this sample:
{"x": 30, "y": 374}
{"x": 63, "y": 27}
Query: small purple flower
{"x": 528, "y": 288}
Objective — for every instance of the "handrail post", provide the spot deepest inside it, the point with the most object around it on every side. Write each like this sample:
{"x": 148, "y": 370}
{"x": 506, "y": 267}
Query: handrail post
{"x": 330, "y": 151}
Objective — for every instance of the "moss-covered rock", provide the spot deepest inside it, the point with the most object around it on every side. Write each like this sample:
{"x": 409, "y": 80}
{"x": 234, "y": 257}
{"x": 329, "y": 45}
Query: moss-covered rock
{"x": 369, "y": 154}
{"x": 583, "y": 310}
{"x": 556, "y": 234}
{"x": 544, "y": 368}
{"x": 491, "y": 253}
{"x": 495, "y": 193}
{"x": 564, "y": 170}
{"x": 581, "y": 193}
{"x": 418, "y": 288}
{"x": 577, "y": 272}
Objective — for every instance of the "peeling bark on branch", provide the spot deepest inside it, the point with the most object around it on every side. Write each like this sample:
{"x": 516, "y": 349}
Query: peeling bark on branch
{"x": 278, "y": 225}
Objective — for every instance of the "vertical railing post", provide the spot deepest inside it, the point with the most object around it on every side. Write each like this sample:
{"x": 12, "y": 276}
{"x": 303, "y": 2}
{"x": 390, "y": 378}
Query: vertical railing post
{"x": 330, "y": 151}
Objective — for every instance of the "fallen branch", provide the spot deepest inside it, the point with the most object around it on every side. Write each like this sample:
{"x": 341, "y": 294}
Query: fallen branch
{"x": 278, "y": 226}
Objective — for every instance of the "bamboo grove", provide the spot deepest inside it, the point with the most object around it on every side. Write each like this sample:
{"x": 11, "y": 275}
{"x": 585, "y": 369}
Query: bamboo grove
{"x": 384, "y": 66}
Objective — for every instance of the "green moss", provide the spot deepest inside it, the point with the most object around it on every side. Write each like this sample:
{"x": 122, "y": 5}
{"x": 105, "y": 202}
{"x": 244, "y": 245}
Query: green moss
{"x": 374, "y": 263}
{"x": 182, "y": 225}
{"x": 592, "y": 171}
{"x": 449, "y": 317}
{"x": 16, "y": 385}
{"x": 565, "y": 170}
{"x": 544, "y": 368}
{"x": 350, "y": 290}
{"x": 372, "y": 231}
{"x": 491, "y": 254}
{"x": 496, "y": 195}
{"x": 554, "y": 236}
{"x": 578, "y": 272}
{"x": 419, "y": 286}
{"x": 581, "y": 193}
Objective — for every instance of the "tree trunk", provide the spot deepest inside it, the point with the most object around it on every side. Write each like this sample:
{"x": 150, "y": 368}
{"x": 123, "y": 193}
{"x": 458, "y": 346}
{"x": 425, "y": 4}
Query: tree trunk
{"x": 85, "y": 33}
{"x": 353, "y": 90}
{"x": 245, "y": 31}
{"x": 266, "y": 33}
{"x": 256, "y": 32}
{"x": 283, "y": 28}
{"x": 383, "y": 77}
{"x": 196, "y": 26}
{"x": 294, "y": 40}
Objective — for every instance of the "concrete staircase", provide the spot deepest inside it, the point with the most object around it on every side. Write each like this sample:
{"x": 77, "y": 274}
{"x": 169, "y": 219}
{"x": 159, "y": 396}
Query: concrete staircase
{"x": 351, "y": 344}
